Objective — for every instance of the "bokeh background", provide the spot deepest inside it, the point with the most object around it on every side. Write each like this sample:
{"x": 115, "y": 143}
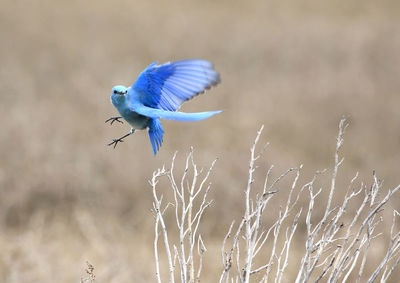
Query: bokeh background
{"x": 294, "y": 66}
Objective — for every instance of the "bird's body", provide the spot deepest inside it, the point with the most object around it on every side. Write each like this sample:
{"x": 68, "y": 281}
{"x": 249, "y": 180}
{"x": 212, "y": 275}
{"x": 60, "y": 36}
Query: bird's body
{"x": 137, "y": 121}
{"x": 158, "y": 92}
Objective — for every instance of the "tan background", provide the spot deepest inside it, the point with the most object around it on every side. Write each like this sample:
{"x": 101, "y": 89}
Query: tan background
{"x": 294, "y": 66}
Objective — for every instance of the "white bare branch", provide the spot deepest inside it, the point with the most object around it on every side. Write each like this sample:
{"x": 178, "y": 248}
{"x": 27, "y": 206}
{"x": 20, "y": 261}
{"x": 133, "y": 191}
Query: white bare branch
{"x": 336, "y": 238}
{"x": 190, "y": 202}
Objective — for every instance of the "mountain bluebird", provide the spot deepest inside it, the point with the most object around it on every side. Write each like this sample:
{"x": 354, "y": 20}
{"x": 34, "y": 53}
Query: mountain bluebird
{"x": 158, "y": 93}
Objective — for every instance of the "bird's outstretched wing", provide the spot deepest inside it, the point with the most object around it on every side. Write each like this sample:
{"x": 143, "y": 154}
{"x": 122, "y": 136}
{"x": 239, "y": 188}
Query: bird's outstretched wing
{"x": 168, "y": 85}
{"x": 172, "y": 115}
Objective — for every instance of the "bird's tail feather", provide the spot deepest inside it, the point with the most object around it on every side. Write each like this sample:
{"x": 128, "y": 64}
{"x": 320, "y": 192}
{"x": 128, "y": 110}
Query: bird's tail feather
{"x": 156, "y": 134}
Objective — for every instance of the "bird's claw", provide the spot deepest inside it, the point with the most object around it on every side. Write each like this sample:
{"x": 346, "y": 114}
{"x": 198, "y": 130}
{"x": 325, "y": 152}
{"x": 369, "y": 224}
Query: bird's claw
{"x": 113, "y": 119}
{"x": 115, "y": 142}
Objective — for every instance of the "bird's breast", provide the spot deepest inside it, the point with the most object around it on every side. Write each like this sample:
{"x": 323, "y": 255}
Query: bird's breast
{"x": 136, "y": 120}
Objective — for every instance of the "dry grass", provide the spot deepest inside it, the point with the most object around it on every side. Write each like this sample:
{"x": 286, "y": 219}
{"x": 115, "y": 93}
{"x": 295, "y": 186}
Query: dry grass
{"x": 294, "y": 66}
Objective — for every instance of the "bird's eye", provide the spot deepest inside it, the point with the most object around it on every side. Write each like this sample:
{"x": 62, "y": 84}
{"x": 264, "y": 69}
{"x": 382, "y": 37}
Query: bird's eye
{"x": 115, "y": 92}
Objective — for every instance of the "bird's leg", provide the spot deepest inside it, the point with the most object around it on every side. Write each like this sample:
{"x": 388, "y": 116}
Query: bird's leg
{"x": 113, "y": 119}
{"x": 116, "y": 141}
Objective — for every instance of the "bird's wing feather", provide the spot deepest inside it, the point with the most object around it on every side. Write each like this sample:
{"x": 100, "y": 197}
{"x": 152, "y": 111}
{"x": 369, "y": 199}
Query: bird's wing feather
{"x": 170, "y": 115}
{"x": 168, "y": 85}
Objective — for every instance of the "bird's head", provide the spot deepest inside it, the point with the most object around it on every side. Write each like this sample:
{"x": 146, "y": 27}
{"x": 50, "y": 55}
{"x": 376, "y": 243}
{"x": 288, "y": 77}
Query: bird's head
{"x": 118, "y": 94}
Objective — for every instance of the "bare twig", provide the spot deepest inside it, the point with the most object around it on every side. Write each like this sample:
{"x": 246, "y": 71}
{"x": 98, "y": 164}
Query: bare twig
{"x": 188, "y": 213}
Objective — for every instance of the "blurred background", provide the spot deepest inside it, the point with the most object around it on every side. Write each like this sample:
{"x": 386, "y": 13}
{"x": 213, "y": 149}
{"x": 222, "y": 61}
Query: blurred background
{"x": 294, "y": 66}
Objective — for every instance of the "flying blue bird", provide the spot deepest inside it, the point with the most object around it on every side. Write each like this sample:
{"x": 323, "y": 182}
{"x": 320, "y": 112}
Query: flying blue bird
{"x": 158, "y": 93}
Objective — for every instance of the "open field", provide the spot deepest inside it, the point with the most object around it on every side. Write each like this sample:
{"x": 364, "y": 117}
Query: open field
{"x": 295, "y": 67}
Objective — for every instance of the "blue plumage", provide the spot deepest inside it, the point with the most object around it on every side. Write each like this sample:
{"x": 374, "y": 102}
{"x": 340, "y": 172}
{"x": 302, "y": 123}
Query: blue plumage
{"x": 158, "y": 92}
{"x": 156, "y": 134}
{"x": 168, "y": 85}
